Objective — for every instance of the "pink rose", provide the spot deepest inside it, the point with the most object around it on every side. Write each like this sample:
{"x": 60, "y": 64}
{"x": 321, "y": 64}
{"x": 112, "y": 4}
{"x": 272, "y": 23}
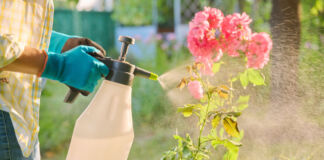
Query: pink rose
{"x": 236, "y": 26}
{"x": 211, "y": 34}
{"x": 258, "y": 51}
{"x": 215, "y": 17}
{"x": 236, "y": 32}
{"x": 195, "y": 89}
{"x": 204, "y": 33}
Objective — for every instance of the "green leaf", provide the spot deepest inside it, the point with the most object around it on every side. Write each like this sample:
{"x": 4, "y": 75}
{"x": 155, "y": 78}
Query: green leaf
{"x": 186, "y": 111}
{"x": 314, "y": 11}
{"x": 188, "y": 138}
{"x": 216, "y": 67}
{"x": 319, "y": 5}
{"x": 229, "y": 144}
{"x": 234, "y": 79}
{"x": 189, "y": 143}
{"x": 234, "y": 114}
{"x": 237, "y": 139}
{"x": 230, "y": 127}
{"x": 230, "y": 155}
{"x": 216, "y": 142}
{"x": 232, "y": 144}
{"x": 216, "y": 121}
{"x": 169, "y": 155}
{"x": 186, "y": 151}
{"x": 244, "y": 79}
{"x": 213, "y": 133}
{"x": 242, "y": 103}
{"x": 202, "y": 155}
{"x": 242, "y": 107}
{"x": 232, "y": 150}
{"x": 255, "y": 77}
{"x": 179, "y": 148}
{"x": 177, "y": 137}
{"x": 243, "y": 99}
{"x": 180, "y": 139}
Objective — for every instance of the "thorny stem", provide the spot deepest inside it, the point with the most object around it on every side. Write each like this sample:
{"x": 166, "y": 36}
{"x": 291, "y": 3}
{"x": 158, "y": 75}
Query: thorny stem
{"x": 202, "y": 127}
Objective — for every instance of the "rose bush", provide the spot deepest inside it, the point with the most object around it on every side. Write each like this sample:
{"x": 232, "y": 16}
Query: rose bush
{"x": 211, "y": 36}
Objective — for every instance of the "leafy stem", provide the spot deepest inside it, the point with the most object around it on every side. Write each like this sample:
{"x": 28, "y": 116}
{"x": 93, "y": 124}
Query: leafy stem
{"x": 202, "y": 126}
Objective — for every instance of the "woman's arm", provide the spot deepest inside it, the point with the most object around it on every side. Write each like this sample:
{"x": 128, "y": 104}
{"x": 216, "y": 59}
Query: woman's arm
{"x": 30, "y": 61}
{"x": 16, "y": 57}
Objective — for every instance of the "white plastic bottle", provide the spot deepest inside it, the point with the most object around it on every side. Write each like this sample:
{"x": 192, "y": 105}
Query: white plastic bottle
{"x": 104, "y": 131}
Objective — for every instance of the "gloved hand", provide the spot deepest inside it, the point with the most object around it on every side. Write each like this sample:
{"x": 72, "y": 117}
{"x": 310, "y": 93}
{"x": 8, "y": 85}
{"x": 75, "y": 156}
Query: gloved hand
{"x": 75, "y": 68}
{"x": 60, "y": 43}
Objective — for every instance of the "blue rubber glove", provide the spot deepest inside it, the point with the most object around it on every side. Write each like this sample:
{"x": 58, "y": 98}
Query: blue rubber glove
{"x": 57, "y": 41}
{"x": 75, "y": 68}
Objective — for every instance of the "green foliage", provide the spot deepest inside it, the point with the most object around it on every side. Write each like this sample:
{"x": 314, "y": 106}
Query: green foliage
{"x": 252, "y": 76}
{"x": 312, "y": 20}
{"x": 133, "y": 12}
{"x": 255, "y": 77}
{"x": 185, "y": 150}
{"x": 227, "y": 6}
{"x": 137, "y": 12}
{"x": 318, "y": 7}
{"x": 188, "y": 109}
{"x": 216, "y": 109}
{"x": 165, "y": 12}
{"x": 65, "y": 4}
{"x": 244, "y": 79}
{"x": 230, "y": 126}
{"x": 242, "y": 103}
{"x": 216, "y": 66}
{"x": 215, "y": 121}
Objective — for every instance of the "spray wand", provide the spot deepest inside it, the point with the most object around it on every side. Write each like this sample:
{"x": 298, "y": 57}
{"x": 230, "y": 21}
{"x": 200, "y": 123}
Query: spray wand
{"x": 120, "y": 71}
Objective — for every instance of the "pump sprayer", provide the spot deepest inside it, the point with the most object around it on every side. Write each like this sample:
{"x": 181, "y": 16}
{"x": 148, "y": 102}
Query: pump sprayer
{"x": 120, "y": 71}
{"x": 104, "y": 130}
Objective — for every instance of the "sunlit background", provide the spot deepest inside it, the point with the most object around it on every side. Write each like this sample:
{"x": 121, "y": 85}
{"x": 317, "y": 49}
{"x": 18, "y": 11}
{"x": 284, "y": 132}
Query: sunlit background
{"x": 160, "y": 28}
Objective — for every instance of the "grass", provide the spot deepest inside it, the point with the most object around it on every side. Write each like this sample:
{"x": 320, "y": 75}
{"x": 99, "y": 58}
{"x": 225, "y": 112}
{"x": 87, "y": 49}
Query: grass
{"x": 57, "y": 118}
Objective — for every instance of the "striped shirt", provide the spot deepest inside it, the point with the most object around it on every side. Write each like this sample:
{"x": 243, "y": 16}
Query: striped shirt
{"x": 23, "y": 23}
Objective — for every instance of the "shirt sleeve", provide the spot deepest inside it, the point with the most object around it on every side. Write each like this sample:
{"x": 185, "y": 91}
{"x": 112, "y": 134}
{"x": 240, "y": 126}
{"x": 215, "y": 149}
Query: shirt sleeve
{"x": 10, "y": 49}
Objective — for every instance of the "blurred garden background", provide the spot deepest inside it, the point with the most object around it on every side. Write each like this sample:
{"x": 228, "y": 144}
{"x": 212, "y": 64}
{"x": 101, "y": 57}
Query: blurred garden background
{"x": 160, "y": 28}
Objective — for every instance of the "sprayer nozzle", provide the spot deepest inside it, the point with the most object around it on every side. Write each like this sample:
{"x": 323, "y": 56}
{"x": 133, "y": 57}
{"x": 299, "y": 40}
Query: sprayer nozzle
{"x": 154, "y": 76}
{"x": 145, "y": 74}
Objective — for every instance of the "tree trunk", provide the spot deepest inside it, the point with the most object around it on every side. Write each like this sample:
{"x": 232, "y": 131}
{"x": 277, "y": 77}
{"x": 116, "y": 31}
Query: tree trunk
{"x": 285, "y": 29}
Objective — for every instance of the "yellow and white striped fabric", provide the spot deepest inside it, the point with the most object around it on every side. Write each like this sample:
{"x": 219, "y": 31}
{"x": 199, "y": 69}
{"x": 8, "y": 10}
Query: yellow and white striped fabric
{"x": 23, "y": 23}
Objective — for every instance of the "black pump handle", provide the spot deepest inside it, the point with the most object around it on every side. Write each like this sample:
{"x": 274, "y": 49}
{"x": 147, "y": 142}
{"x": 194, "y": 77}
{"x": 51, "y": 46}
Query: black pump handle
{"x": 126, "y": 41}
